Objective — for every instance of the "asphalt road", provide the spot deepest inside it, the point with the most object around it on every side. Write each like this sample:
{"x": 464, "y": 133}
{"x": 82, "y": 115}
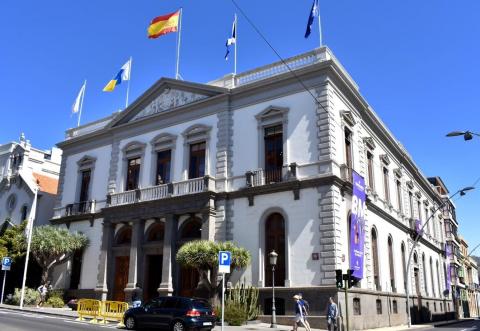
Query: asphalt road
{"x": 464, "y": 326}
{"x": 20, "y": 321}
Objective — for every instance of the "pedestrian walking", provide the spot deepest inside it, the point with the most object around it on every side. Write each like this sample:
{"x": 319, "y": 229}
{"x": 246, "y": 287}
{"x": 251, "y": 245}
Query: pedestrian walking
{"x": 43, "y": 290}
{"x": 299, "y": 314}
{"x": 137, "y": 296}
{"x": 305, "y": 308}
{"x": 332, "y": 315}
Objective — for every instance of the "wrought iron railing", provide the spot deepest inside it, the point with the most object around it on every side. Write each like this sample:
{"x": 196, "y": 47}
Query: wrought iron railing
{"x": 79, "y": 208}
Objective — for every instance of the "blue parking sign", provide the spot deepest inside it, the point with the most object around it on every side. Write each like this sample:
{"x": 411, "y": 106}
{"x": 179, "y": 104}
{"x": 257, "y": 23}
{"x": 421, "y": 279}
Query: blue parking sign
{"x": 224, "y": 261}
{"x": 6, "y": 263}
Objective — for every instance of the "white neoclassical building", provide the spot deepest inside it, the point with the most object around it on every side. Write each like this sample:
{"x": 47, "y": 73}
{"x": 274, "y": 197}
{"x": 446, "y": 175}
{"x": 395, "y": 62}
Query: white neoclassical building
{"x": 265, "y": 161}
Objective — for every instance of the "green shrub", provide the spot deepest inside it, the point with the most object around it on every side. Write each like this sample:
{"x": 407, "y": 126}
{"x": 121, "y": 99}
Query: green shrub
{"x": 55, "y": 302}
{"x": 32, "y": 297}
{"x": 235, "y": 314}
{"x": 58, "y": 293}
{"x": 245, "y": 297}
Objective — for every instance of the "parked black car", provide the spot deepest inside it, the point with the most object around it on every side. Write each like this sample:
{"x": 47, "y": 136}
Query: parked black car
{"x": 172, "y": 313}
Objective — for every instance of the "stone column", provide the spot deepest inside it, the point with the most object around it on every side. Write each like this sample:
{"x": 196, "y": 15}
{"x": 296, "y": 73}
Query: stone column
{"x": 208, "y": 225}
{"x": 169, "y": 250}
{"x": 105, "y": 261}
{"x": 135, "y": 268}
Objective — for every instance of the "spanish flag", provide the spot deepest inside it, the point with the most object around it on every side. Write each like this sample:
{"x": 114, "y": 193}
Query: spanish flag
{"x": 163, "y": 24}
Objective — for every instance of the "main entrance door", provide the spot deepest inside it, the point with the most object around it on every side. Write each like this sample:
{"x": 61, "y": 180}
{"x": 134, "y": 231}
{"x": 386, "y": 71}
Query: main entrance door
{"x": 154, "y": 276}
{"x": 120, "y": 277}
{"x": 188, "y": 280}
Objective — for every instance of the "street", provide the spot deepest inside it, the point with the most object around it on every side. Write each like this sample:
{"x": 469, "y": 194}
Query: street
{"x": 20, "y": 321}
{"x": 464, "y": 326}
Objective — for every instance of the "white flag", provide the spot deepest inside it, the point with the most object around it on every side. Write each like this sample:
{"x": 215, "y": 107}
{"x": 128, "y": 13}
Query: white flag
{"x": 126, "y": 70}
{"x": 78, "y": 100}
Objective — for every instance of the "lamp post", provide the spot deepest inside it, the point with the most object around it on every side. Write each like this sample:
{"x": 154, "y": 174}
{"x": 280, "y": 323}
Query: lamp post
{"x": 467, "y": 135}
{"x": 462, "y": 192}
{"x": 273, "y": 262}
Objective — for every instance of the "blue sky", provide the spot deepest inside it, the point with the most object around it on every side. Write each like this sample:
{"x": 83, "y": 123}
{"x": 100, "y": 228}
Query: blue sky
{"x": 416, "y": 62}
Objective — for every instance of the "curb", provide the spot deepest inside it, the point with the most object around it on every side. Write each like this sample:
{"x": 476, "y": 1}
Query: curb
{"x": 438, "y": 324}
{"x": 42, "y": 312}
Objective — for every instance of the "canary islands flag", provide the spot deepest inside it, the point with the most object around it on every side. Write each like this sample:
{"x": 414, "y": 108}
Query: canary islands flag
{"x": 123, "y": 74}
{"x": 162, "y": 25}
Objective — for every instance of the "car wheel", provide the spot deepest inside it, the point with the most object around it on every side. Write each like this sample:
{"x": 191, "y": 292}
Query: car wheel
{"x": 130, "y": 323}
{"x": 178, "y": 326}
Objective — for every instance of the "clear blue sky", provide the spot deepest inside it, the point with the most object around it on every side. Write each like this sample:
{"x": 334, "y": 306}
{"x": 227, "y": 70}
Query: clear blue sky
{"x": 417, "y": 63}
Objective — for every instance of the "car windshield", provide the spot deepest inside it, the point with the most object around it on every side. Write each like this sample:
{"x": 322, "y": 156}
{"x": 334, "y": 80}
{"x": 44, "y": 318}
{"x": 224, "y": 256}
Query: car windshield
{"x": 201, "y": 304}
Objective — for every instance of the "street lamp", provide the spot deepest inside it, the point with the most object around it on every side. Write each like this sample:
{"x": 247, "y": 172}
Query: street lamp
{"x": 467, "y": 135}
{"x": 273, "y": 262}
{"x": 462, "y": 192}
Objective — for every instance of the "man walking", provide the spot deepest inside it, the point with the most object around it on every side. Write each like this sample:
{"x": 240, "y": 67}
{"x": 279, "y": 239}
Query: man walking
{"x": 305, "y": 308}
{"x": 332, "y": 315}
{"x": 299, "y": 314}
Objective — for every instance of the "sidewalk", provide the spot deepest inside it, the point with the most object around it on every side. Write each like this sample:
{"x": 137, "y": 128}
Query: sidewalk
{"x": 418, "y": 327}
{"x": 61, "y": 312}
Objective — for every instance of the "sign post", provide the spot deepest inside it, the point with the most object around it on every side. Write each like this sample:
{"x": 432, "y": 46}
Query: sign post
{"x": 224, "y": 261}
{"x": 6, "y": 264}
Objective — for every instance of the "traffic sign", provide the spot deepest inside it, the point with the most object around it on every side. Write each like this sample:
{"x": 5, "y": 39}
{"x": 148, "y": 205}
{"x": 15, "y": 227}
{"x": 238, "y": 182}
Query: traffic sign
{"x": 6, "y": 263}
{"x": 224, "y": 261}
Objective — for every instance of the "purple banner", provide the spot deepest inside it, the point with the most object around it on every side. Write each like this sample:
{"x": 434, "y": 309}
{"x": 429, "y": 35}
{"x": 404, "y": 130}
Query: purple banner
{"x": 357, "y": 226}
{"x": 448, "y": 253}
{"x": 418, "y": 227}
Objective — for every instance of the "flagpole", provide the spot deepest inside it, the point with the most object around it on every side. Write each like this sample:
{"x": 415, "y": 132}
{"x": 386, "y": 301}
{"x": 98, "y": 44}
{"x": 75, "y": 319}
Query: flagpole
{"x": 235, "y": 55}
{"x": 129, "y": 78}
{"x": 81, "y": 103}
{"x": 319, "y": 24}
{"x": 177, "y": 75}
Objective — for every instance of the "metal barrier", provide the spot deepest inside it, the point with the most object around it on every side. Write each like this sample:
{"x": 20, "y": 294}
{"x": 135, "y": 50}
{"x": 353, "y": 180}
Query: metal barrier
{"x": 113, "y": 311}
{"x": 88, "y": 308}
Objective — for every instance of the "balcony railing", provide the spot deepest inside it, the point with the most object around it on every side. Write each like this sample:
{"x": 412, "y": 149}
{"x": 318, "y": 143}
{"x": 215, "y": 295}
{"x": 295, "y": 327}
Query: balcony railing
{"x": 190, "y": 186}
{"x": 261, "y": 176}
{"x": 78, "y": 208}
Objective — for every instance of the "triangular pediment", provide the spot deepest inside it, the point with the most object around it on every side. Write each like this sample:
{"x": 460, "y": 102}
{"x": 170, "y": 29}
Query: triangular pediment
{"x": 166, "y": 95}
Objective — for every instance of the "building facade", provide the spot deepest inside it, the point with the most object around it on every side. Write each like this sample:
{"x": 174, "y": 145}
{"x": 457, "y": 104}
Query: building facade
{"x": 266, "y": 162}
{"x": 22, "y": 168}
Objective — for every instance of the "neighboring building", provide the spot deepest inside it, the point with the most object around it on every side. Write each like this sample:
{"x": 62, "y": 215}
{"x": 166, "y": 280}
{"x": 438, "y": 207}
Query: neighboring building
{"x": 22, "y": 168}
{"x": 472, "y": 286}
{"x": 263, "y": 164}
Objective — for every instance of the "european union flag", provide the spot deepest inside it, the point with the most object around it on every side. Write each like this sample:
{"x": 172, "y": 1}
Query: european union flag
{"x": 314, "y": 12}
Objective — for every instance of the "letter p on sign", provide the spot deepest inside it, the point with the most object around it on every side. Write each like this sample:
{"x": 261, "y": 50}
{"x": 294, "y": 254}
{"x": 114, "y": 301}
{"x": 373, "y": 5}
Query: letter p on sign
{"x": 224, "y": 261}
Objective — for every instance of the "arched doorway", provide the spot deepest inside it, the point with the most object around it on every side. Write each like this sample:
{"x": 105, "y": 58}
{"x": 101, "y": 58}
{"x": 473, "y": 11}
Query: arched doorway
{"x": 275, "y": 240}
{"x": 190, "y": 230}
{"x": 121, "y": 247}
{"x": 153, "y": 259}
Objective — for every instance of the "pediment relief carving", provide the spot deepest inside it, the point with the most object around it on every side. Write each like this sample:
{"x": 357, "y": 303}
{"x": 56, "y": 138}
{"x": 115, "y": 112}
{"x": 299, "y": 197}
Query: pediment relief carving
{"x": 385, "y": 159}
{"x": 271, "y": 112}
{"x": 348, "y": 117}
{"x": 169, "y": 99}
{"x": 86, "y": 161}
{"x": 369, "y": 142}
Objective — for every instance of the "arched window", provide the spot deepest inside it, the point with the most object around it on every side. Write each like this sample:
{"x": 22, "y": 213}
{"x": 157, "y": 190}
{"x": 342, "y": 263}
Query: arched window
{"x": 431, "y": 277}
{"x": 275, "y": 240}
{"x": 191, "y": 229}
{"x": 424, "y": 265}
{"x": 376, "y": 274}
{"x": 156, "y": 232}
{"x": 124, "y": 236}
{"x": 390, "y": 261}
{"x": 404, "y": 266}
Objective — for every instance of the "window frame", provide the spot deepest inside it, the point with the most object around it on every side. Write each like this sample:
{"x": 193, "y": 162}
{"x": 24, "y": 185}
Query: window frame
{"x": 162, "y": 142}
{"x": 196, "y": 133}
{"x": 132, "y": 150}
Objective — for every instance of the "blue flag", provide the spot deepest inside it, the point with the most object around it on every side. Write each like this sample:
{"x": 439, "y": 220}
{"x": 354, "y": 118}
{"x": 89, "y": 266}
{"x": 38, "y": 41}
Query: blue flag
{"x": 314, "y": 12}
{"x": 233, "y": 39}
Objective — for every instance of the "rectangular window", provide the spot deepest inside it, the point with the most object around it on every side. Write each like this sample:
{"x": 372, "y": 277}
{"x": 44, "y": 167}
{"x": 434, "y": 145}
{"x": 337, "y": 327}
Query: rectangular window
{"x": 348, "y": 149}
{"x": 133, "y": 173}
{"x": 357, "y": 309}
{"x": 273, "y": 139}
{"x": 164, "y": 159}
{"x": 385, "y": 185}
{"x": 395, "y": 307}
{"x": 399, "y": 195}
{"x": 379, "y": 307}
{"x": 410, "y": 200}
{"x": 196, "y": 166}
{"x": 84, "y": 187}
{"x": 426, "y": 218}
{"x": 419, "y": 208}
{"x": 371, "y": 180}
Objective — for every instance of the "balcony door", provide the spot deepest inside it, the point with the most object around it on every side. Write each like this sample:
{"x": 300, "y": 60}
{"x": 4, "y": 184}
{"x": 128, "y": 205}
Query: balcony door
{"x": 273, "y": 139}
{"x": 84, "y": 187}
{"x": 164, "y": 159}
{"x": 196, "y": 165}
{"x": 133, "y": 173}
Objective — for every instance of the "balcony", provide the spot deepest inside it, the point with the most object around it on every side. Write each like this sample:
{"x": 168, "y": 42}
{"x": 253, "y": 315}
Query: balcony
{"x": 190, "y": 186}
{"x": 79, "y": 208}
{"x": 262, "y": 177}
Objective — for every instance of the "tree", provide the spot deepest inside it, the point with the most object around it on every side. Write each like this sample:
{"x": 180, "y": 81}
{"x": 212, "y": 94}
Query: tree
{"x": 202, "y": 255}
{"x": 12, "y": 240}
{"x": 52, "y": 245}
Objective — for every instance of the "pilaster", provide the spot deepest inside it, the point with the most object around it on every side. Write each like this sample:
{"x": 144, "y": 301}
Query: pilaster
{"x": 112, "y": 175}
{"x": 104, "y": 261}
{"x": 326, "y": 128}
{"x": 224, "y": 155}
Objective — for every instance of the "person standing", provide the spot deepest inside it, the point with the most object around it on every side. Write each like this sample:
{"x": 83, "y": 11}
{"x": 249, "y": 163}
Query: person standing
{"x": 137, "y": 296}
{"x": 332, "y": 315}
{"x": 42, "y": 290}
